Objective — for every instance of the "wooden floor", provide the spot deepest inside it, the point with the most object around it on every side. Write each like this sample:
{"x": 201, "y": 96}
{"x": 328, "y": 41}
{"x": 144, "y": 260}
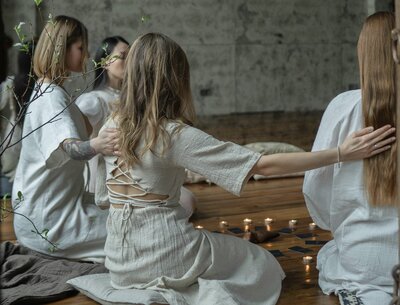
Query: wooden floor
{"x": 280, "y": 199}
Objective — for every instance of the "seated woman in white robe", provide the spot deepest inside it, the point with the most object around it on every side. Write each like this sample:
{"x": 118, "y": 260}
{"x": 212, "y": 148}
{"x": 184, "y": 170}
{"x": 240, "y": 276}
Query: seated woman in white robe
{"x": 97, "y": 104}
{"x": 53, "y": 153}
{"x": 355, "y": 200}
{"x": 150, "y": 244}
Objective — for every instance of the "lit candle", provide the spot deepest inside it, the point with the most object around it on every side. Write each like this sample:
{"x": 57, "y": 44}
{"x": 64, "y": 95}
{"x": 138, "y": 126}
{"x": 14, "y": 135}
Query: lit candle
{"x": 312, "y": 226}
{"x": 307, "y": 260}
{"x": 268, "y": 221}
{"x": 199, "y": 227}
{"x": 292, "y": 223}
{"x": 247, "y": 221}
{"x": 223, "y": 224}
{"x": 247, "y": 224}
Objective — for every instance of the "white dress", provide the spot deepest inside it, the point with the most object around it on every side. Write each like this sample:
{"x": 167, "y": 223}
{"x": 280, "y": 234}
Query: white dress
{"x": 365, "y": 245}
{"x": 96, "y": 106}
{"x": 155, "y": 248}
{"x": 8, "y": 112}
{"x": 53, "y": 185}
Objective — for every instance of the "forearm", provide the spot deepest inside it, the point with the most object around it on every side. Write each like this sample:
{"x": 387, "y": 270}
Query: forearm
{"x": 79, "y": 150}
{"x": 279, "y": 164}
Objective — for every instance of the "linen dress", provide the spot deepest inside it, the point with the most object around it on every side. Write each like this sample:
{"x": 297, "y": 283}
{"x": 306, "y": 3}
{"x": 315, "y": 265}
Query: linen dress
{"x": 151, "y": 245}
{"x": 365, "y": 245}
{"x": 96, "y": 106}
{"x": 52, "y": 183}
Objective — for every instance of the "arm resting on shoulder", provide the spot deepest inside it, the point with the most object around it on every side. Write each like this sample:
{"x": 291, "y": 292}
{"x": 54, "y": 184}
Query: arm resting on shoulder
{"x": 361, "y": 144}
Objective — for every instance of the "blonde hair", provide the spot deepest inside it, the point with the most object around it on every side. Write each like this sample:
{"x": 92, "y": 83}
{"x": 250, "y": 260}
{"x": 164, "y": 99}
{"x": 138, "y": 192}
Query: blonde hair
{"x": 377, "y": 77}
{"x": 49, "y": 60}
{"x": 155, "y": 89}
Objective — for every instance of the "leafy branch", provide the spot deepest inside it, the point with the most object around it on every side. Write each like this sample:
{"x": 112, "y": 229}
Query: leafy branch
{"x": 43, "y": 234}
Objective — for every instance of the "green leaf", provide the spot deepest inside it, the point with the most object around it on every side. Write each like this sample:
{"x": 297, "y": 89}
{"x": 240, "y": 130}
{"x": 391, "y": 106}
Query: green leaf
{"x": 20, "y": 196}
{"x": 145, "y": 18}
{"x": 38, "y": 2}
{"x": 105, "y": 46}
{"x": 44, "y": 232}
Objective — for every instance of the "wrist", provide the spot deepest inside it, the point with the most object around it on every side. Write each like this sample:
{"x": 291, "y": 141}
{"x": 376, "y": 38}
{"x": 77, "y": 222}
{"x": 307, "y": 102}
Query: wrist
{"x": 93, "y": 143}
{"x": 339, "y": 156}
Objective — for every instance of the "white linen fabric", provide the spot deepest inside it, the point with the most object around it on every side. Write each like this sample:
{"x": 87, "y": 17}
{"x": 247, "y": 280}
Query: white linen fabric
{"x": 98, "y": 288}
{"x": 52, "y": 184}
{"x": 151, "y": 245}
{"x": 365, "y": 245}
{"x": 8, "y": 112}
{"x": 96, "y": 106}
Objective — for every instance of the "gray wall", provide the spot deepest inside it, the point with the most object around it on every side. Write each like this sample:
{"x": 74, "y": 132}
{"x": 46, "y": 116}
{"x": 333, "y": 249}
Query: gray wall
{"x": 245, "y": 56}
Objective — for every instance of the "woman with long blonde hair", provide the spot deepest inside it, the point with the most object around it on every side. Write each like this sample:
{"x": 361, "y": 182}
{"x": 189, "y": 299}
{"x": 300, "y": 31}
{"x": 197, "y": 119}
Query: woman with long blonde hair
{"x": 356, "y": 200}
{"x": 150, "y": 244}
{"x": 54, "y": 151}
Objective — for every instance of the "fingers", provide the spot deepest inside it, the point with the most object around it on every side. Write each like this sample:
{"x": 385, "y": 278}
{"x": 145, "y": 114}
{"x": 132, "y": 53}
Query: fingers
{"x": 379, "y": 150}
{"x": 363, "y": 132}
{"x": 379, "y": 134}
{"x": 384, "y": 142}
{"x": 383, "y": 136}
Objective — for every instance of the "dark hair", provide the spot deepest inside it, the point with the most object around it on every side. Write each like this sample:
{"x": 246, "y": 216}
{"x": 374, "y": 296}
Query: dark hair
{"x": 106, "y": 48}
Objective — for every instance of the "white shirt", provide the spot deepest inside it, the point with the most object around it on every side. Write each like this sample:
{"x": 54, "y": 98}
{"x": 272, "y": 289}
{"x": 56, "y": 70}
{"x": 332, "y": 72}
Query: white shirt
{"x": 96, "y": 105}
{"x": 52, "y": 183}
{"x": 365, "y": 245}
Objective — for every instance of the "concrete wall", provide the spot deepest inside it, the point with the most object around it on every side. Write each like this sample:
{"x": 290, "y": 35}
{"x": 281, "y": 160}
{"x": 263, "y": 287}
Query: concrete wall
{"x": 245, "y": 56}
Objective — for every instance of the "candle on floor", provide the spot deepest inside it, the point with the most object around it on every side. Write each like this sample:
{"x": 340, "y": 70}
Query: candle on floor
{"x": 307, "y": 259}
{"x": 292, "y": 223}
{"x": 199, "y": 227}
{"x": 312, "y": 226}
{"x": 247, "y": 224}
{"x": 247, "y": 221}
{"x": 268, "y": 221}
{"x": 223, "y": 224}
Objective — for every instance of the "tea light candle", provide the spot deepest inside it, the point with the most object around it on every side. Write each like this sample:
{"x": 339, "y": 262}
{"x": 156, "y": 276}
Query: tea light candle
{"x": 223, "y": 224}
{"x": 292, "y": 222}
{"x": 268, "y": 221}
{"x": 307, "y": 260}
{"x": 247, "y": 221}
{"x": 312, "y": 226}
{"x": 199, "y": 227}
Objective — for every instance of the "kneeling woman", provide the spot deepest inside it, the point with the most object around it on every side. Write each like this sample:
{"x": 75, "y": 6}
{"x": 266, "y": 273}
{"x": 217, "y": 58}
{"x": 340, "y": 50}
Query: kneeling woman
{"x": 150, "y": 244}
{"x": 356, "y": 201}
{"x": 50, "y": 169}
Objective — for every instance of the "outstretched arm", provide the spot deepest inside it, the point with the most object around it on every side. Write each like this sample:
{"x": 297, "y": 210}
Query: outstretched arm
{"x": 105, "y": 143}
{"x": 361, "y": 144}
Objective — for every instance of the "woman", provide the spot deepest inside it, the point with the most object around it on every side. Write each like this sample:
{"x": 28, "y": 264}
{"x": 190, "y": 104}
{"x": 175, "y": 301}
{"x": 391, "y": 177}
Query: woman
{"x": 97, "y": 105}
{"x": 150, "y": 244}
{"x": 355, "y": 201}
{"x": 50, "y": 170}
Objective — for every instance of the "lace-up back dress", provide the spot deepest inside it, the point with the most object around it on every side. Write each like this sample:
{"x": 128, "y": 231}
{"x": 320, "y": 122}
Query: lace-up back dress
{"x": 152, "y": 246}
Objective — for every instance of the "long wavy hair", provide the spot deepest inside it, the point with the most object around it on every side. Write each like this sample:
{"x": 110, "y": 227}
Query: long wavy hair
{"x": 59, "y": 34}
{"x": 378, "y": 89}
{"x": 155, "y": 89}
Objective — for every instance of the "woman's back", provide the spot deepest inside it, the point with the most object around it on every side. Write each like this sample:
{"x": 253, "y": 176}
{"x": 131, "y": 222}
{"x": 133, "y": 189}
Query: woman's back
{"x": 365, "y": 244}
